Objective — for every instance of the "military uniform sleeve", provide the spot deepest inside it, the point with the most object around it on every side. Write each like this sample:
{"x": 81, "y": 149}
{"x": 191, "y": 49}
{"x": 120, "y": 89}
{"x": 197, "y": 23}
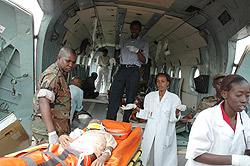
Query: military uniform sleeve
{"x": 48, "y": 87}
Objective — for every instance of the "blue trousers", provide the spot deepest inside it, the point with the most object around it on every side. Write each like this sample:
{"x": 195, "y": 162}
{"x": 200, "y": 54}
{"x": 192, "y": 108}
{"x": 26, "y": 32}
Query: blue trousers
{"x": 125, "y": 79}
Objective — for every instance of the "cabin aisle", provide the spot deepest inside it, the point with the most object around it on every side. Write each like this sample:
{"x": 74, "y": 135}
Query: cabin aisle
{"x": 97, "y": 108}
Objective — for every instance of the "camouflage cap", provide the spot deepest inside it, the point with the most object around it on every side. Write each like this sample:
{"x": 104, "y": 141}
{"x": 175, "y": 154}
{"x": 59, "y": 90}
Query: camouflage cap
{"x": 219, "y": 75}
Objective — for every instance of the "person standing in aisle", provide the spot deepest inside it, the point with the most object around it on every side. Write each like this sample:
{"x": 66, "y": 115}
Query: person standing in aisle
{"x": 102, "y": 71}
{"x": 52, "y": 100}
{"x": 134, "y": 53}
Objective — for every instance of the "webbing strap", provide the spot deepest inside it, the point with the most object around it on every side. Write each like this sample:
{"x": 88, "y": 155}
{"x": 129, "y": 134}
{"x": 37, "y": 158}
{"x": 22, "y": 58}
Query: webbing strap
{"x": 74, "y": 152}
{"x": 55, "y": 157}
{"x": 29, "y": 161}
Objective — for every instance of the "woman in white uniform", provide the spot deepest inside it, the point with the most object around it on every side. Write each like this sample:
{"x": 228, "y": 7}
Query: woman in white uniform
{"x": 220, "y": 135}
{"x": 102, "y": 71}
{"x": 159, "y": 139}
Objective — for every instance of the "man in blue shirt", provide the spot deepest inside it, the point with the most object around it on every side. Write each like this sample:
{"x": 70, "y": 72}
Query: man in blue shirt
{"x": 134, "y": 53}
{"x": 76, "y": 94}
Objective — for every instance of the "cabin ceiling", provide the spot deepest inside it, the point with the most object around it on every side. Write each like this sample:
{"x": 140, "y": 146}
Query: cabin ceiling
{"x": 174, "y": 21}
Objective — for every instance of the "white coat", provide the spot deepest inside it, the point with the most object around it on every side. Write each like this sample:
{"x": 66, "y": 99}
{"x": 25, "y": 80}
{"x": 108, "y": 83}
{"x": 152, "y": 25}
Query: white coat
{"x": 160, "y": 128}
{"x": 104, "y": 62}
{"x": 102, "y": 72}
{"x": 210, "y": 133}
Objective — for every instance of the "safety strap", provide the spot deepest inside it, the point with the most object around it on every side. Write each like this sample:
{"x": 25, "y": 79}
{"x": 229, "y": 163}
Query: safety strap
{"x": 74, "y": 152}
{"x": 56, "y": 157}
{"x": 119, "y": 134}
{"x": 63, "y": 156}
{"x": 29, "y": 161}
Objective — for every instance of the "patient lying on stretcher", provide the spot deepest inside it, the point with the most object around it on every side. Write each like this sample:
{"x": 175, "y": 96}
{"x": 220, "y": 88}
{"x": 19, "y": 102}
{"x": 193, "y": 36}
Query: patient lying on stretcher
{"x": 95, "y": 142}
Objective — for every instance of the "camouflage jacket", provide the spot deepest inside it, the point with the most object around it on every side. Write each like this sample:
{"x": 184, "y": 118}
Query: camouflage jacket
{"x": 207, "y": 102}
{"x": 54, "y": 80}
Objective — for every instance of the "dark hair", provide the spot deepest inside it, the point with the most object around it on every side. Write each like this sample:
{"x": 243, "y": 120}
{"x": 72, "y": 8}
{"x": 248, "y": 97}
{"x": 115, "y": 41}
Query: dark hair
{"x": 164, "y": 74}
{"x": 136, "y": 22}
{"x": 93, "y": 74}
{"x": 105, "y": 50}
{"x": 227, "y": 82}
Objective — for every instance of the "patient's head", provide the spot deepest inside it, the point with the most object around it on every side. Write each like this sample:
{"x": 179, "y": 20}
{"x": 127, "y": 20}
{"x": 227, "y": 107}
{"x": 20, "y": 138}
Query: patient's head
{"x": 96, "y": 124}
{"x": 98, "y": 121}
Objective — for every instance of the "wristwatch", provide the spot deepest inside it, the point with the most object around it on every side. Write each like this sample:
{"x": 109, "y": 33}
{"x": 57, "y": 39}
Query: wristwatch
{"x": 139, "y": 50}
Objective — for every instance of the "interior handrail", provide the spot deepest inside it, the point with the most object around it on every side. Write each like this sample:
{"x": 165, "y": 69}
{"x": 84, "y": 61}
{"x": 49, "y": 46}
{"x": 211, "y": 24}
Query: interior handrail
{"x": 242, "y": 58}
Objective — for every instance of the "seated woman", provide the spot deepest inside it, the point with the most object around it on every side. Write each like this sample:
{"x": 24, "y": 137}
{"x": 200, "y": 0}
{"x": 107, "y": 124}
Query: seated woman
{"x": 95, "y": 141}
{"x": 221, "y": 134}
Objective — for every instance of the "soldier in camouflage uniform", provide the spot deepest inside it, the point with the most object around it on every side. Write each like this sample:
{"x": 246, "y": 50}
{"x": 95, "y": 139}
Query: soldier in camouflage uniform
{"x": 52, "y": 100}
{"x": 210, "y": 101}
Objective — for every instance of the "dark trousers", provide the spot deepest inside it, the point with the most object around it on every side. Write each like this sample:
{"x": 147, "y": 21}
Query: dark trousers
{"x": 128, "y": 78}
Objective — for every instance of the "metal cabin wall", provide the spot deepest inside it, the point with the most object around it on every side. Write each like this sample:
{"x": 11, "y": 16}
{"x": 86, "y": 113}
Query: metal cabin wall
{"x": 216, "y": 57}
{"x": 220, "y": 34}
{"x": 16, "y": 63}
{"x": 51, "y": 34}
{"x": 42, "y": 36}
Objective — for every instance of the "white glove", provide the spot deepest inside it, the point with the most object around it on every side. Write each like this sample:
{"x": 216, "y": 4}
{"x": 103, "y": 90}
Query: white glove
{"x": 167, "y": 53}
{"x": 129, "y": 106}
{"x": 181, "y": 107}
{"x": 240, "y": 160}
{"x": 112, "y": 61}
{"x": 133, "y": 49}
{"x": 53, "y": 137}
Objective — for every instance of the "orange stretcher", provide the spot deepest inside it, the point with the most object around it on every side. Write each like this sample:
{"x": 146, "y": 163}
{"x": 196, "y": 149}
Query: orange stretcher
{"x": 127, "y": 151}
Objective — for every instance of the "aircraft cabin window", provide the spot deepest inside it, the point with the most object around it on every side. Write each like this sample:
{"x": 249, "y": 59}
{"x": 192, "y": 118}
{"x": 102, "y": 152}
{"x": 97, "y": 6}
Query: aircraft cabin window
{"x": 194, "y": 72}
{"x": 35, "y": 9}
{"x": 240, "y": 48}
{"x": 171, "y": 71}
{"x": 197, "y": 73}
{"x": 179, "y": 75}
{"x": 178, "y": 72}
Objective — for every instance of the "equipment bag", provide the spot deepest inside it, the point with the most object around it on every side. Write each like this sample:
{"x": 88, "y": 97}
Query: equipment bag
{"x": 119, "y": 130}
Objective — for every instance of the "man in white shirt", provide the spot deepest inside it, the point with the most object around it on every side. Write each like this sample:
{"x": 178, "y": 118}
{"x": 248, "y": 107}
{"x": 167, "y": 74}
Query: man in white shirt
{"x": 76, "y": 96}
{"x": 102, "y": 71}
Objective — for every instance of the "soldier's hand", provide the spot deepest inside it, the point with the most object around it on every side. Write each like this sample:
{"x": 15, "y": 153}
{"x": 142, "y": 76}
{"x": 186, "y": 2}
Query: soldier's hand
{"x": 53, "y": 137}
